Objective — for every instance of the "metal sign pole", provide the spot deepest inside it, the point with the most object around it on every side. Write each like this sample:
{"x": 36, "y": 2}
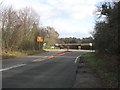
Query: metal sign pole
{"x": 39, "y": 45}
{"x": 39, "y": 40}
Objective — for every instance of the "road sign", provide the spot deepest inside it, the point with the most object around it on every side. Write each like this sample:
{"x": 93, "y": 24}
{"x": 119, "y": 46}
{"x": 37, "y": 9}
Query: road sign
{"x": 39, "y": 39}
{"x": 90, "y": 44}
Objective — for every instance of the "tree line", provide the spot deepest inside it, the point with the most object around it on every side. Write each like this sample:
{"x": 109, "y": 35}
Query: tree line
{"x": 20, "y": 29}
{"x": 74, "y": 40}
{"x": 107, "y": 31}
{"x": 106, "y": 38}
{"x": 68, "y": 40}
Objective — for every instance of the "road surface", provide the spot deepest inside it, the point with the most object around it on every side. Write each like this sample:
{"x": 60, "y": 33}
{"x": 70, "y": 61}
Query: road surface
{"x": 46, "y": 70}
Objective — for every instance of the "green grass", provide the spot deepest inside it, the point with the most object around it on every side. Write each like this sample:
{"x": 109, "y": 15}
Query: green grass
{"x": 103, "y": 67}
{"x": 13, "y": 54}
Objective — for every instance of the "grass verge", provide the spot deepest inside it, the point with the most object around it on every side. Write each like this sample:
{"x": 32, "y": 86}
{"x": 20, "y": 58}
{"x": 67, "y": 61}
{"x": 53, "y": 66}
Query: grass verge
{"x": 14, "y": 54}
{"x": 105, "y": 67}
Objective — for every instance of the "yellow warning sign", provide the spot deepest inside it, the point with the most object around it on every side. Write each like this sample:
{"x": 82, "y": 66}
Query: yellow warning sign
{"x": 39, "y": 39}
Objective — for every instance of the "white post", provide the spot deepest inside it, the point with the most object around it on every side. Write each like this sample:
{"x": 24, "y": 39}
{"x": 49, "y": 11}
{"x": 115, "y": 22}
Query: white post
{"x": 90, "y": 46}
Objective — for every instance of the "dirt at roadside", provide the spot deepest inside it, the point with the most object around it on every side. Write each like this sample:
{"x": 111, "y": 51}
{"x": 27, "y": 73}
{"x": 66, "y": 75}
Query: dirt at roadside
{"x": 86, "y": 78}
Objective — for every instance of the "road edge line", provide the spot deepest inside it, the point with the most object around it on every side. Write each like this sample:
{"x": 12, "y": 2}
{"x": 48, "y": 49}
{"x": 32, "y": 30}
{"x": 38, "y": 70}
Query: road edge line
{"x": 15, "y": 66}
{"x": 77, "y": 59}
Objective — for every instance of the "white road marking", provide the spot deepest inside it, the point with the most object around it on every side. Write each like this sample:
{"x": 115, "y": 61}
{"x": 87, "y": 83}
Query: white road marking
{"x": 15, "y": 66}
{"x": 76, "y": 59}
{"x": 47, "y": 57}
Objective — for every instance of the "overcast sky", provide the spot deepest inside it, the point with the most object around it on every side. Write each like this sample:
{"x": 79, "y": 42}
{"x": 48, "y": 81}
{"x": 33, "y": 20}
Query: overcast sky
{"x": 70, "y": 18}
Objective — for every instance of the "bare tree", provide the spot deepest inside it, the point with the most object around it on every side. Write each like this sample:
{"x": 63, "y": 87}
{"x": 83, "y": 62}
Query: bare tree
{"x": 51, "y": 37}
{"x": 30, "y": 25}
{"x": 17, "y": 28}
{"x": 21, "y": 28}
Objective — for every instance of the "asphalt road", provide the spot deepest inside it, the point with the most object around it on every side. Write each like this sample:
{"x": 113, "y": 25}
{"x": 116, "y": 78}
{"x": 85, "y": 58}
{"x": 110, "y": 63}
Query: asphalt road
{"x": 46, "y": 70}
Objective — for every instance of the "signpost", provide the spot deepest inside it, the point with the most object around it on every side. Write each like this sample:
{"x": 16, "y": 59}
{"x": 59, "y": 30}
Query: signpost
{"x": 68, "y": 48}
{"x": 40, "y": 40}
{"x": 90, "y": 46}
{"x": 79, "y": 47}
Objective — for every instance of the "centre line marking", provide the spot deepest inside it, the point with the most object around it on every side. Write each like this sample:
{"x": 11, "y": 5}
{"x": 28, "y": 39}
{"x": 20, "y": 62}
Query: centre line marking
{"x": 15, "y": 66}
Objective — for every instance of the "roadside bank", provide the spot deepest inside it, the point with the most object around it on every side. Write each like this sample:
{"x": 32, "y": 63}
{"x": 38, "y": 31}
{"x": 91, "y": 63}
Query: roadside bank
{"x": 96, "y": 72}
{"x": 14, "y": 54}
